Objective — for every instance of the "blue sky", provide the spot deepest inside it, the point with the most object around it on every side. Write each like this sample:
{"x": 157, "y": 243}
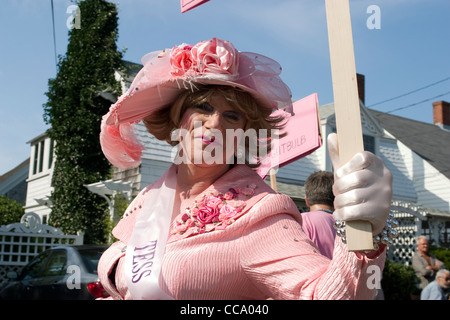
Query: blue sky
{"x": 410, "y": 51}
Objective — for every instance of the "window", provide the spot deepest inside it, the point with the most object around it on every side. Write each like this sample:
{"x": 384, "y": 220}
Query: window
{"x": 50, "y": 155}
{"x": 369, "y": 143}
{"x": 57, "y": 264}
{"x": 33, "y": 269}
{"x": 38, "y": 157}
{"x": 90, "y": 257}
{"x": 35, "y": 158}
{"x": 41, "y": 155}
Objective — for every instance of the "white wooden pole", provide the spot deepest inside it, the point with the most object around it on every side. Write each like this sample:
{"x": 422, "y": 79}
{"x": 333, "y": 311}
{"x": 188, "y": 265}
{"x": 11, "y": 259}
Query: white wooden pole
{"x": 346, "y": 104}
{"x": 273, "y": 179}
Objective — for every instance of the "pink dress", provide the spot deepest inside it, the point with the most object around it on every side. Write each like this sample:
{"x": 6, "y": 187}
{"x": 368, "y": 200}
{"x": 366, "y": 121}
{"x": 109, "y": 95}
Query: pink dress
{"x": 262, "y": 252}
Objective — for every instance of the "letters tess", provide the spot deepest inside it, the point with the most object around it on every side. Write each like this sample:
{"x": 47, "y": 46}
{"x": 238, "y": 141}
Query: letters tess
{"x": 143, "y": 261}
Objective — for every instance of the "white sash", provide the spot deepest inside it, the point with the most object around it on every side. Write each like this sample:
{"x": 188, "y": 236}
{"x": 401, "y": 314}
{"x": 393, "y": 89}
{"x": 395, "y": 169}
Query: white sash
{"x": 145, "y": 250}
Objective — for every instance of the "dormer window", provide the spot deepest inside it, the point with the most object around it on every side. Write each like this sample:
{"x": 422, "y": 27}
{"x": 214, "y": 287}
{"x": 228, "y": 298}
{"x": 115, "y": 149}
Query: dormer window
{"x": 42, "y": 150}
{"x": 38, "y": 157}
{"x": 50, "y": 155}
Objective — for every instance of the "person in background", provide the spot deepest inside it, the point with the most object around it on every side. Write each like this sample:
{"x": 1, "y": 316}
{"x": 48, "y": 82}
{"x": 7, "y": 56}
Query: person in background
{"x": 318, "y": 223}
{"x": 425, "y": 264}
{"x": 435, "y": 290}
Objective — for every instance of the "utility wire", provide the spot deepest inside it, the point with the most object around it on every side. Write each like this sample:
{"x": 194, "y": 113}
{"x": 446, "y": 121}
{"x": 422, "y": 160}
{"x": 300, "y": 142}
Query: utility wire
{"x": 54, "y": 36}
{"x": 414, "y": 104}
{"x": 408, "y": 93}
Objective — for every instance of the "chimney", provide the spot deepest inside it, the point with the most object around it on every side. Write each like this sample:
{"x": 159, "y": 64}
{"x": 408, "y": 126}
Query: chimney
{"x": 361, "y": 87}
{"x": 441, "y": 114}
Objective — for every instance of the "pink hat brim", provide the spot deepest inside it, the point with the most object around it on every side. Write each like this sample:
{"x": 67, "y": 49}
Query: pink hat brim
{"x": 143, "y": 103}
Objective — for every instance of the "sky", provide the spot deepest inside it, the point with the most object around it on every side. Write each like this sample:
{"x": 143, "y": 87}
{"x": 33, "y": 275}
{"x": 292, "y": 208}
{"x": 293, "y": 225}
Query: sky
{"x": 402, "y": 47}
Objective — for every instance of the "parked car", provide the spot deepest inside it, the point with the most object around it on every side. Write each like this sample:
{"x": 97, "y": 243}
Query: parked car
{"x": 60, "y": 273}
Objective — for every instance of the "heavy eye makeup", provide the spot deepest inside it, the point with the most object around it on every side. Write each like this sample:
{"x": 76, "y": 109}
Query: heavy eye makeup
{"x": 230, "y": 115}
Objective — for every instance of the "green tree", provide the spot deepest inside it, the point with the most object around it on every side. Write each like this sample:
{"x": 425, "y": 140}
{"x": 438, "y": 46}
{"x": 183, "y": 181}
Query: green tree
{"x": 74, "y": 110}
{"x": 442, "y": 254}
{"x": 399, "y": 281}
{"x": 10, "y": 211}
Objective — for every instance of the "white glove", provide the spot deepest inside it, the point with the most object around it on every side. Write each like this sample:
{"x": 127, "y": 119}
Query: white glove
{"x": 362, "y": 187}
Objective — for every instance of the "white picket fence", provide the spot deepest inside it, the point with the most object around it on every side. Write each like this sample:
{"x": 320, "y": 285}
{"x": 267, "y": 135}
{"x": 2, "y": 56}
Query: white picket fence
{"x": 20, "y": 242}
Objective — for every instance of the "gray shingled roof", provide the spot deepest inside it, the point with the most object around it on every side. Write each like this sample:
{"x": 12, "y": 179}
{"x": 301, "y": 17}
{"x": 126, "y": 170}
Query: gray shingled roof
{"x": 427, "y": 140}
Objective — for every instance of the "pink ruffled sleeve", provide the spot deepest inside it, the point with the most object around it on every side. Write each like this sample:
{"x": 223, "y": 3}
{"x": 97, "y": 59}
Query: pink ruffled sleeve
{"x": 283, "y": 263}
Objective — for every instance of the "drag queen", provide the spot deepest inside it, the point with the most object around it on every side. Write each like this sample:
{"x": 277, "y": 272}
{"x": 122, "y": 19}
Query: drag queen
{"x": 210, "y": 227}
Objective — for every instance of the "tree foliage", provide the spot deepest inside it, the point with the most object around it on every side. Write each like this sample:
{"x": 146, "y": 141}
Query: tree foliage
{"x": 74, "y": 110}
{"x": 399, "y": 281}
{"x": 442, "y": 254}
{"x": 10, "y": 211}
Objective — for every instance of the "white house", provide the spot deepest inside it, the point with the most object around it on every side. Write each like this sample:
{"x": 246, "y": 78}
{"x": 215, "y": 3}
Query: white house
{"x": 42, "y": 158}
{"x": 13, "y": 183}
{"x": 40, "y": 174}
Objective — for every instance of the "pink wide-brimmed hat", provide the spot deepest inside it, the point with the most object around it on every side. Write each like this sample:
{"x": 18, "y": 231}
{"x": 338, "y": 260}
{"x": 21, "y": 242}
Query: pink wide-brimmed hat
{"x": 167, "y": 73}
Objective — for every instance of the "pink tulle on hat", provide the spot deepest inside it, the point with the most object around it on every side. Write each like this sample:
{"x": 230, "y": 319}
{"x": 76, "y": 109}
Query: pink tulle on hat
{"x": 166, "y": 73}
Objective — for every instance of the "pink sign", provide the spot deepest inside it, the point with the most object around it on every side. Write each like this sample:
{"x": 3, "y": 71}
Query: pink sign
{"x": 302, "y": 138}
{"x": 190, "y": 4}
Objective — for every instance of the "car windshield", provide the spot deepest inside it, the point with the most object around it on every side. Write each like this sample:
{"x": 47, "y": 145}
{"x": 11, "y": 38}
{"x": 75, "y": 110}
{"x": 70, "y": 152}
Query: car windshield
{"x": 90, "y": 258}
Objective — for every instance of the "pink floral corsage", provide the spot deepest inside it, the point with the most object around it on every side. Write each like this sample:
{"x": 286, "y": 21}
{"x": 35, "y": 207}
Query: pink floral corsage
{"x": 214, "y": 211}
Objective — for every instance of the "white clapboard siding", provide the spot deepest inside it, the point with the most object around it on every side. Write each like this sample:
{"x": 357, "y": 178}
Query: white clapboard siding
{"x": 431, "y": 186}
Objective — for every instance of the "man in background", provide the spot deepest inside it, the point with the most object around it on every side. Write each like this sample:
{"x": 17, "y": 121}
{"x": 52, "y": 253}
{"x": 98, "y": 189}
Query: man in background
{"x": 436, "y": 289}
{"x": 318, "y": 223}
{"x": 425, "y": 264}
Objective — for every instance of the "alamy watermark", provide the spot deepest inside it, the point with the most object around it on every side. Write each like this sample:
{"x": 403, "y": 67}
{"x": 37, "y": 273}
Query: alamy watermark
{"x": 374, "y": 20}
{"x": 74, "y": 279}
{"x": 374, "y": 280}
{"x": 74, "y": 20}
{"x": 210, "y": 146}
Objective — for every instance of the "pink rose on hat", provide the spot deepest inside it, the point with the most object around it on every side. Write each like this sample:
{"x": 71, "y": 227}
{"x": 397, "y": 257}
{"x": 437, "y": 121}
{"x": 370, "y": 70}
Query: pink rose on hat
{"x": 181, "y": 60}
{"x": 216, "y": 56}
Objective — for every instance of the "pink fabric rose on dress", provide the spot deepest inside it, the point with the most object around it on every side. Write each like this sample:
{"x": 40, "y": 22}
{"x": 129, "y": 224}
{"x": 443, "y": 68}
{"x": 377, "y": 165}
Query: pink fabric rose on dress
{"x": 215, "y": 211}
{"x": 181, "y": 60}
{"x": 229, "y": 195}
{"x": 207, "y": 214}
{"x": 227, "y": 212}
{"x": 238, "y": 204}
{"x": 216, "y": 56}
{"x": 248, "y": 191}
{"x": 212, "y": 201}
{"x": 182, "y": 227}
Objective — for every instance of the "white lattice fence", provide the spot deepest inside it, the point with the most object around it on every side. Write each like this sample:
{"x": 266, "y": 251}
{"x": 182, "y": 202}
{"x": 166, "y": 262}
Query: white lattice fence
{"x": 19, "y": 242}
{"x": 404, "y": 245}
